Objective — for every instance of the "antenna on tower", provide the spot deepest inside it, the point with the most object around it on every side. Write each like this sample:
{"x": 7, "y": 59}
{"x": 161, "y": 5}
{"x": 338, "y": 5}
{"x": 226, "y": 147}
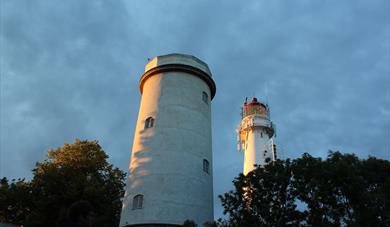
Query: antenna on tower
{"x": 273, "y": 149}
{"x": 238, "y": 140}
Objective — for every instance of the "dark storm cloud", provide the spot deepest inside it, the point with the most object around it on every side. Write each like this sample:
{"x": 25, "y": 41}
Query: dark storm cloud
{"x": 67, "y": 74}
{"x": 70, "y": 69}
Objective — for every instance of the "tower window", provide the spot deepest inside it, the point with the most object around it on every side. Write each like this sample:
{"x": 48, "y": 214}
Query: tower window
{"x": 205, "y": 97}
{"x": 138, "y": 201}
{"x": 149, "y": 122}
{"x": 206, "y": 166}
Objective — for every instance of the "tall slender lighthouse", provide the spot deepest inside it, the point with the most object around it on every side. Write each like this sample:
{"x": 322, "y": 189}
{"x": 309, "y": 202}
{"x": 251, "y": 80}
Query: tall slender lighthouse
{"x": 255, "y": 135}
{"x": 170, "y": 173}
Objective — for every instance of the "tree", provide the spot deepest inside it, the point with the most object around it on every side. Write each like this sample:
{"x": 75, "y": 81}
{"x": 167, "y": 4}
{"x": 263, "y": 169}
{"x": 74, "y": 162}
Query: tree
{"x": 189, "y": 223}
{"x": 74, "y": 174}
{"x": 339, "y": 191}
{"x": 15, "y": 200}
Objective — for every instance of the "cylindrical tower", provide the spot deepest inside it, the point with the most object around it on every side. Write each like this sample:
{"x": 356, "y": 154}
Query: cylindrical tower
{"x": 170, "y": 174}
{"x": 255, "y": 135}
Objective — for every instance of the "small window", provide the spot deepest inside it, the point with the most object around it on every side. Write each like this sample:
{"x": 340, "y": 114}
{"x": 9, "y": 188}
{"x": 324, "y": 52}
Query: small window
{"x": 137, "y": 202}
{"x": 149, "y": 122}
{"x": 205, "y": 97}
{"x": 267, "y": 160}
{"x": 206, "y": 166}
{"x": 261, "y": 134}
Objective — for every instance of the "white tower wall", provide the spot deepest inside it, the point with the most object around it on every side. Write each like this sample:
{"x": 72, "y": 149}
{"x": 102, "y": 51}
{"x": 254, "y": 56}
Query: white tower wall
{"x": 167, "y": 161}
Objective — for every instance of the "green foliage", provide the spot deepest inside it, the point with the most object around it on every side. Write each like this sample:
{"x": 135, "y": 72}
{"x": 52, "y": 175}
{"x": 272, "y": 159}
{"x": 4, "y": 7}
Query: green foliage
{"x": 15, "y": 200}
{"x": 339, "y": 191}
{"x": 189, "y": 223}
{"x": 210, "y": 224}
{"x": 75, "y": 172}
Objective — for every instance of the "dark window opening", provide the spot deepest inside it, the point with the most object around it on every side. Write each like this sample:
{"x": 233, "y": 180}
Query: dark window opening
{"x": 138, "y": 201}
{"x": 149, "y": 122}
{"x": 205, "y": 97}
{"x": 267, "y": 160}
{"x": 206, "y": 166}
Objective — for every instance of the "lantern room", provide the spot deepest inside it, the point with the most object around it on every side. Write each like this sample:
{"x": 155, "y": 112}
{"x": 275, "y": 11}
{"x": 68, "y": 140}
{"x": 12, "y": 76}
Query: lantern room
{"x": 254, "y": 108}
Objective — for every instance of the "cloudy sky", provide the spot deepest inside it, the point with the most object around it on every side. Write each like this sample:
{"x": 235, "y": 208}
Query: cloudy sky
{"x": 70, "y": 69}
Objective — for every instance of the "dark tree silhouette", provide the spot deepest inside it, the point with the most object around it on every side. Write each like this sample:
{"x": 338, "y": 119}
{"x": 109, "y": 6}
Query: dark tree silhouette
{"x": 339, "y": 191}
{"x": 74, "y": 172}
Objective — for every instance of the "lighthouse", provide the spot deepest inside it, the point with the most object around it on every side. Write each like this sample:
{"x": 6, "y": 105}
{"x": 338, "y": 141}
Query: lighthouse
{"x": 170, "y": 176}
{"x": 256, "y": 135}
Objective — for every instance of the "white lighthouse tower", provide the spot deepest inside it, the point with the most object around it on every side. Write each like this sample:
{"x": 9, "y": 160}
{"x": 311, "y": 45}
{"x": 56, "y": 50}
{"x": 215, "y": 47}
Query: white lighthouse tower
{"x": 170, "y": 174}
{"x": 255, "y": 135}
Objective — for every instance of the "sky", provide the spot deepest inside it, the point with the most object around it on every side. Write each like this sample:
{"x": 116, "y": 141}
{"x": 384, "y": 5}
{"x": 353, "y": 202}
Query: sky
{"x": 70, "y": 69}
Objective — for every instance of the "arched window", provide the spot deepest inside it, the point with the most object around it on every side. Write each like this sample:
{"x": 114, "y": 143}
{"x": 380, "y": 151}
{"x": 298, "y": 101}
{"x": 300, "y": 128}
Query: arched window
{"x": 137, "y": 201}
{"x": 206, "y": 166}
{"x": 149, "y": 122}
{"x": 205, "y": 97}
